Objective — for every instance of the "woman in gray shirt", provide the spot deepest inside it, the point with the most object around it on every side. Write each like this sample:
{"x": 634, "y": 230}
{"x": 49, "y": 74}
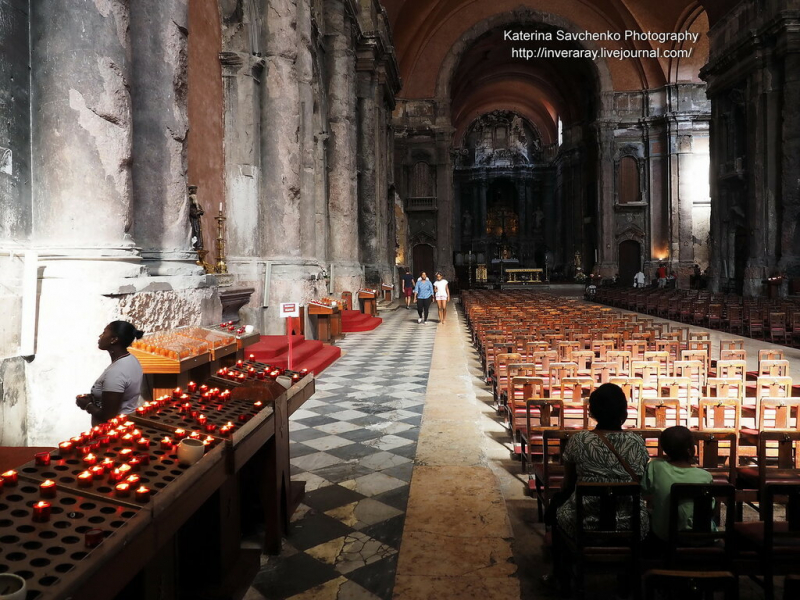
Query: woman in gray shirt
{"x": 117, "y": 389}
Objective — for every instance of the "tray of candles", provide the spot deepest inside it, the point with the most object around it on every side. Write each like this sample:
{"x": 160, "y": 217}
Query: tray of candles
{"x": 208, "y": 412}
{"x": 221, "y": 343}
{"x": 168, "y": 352}
{"x": 50, "y": 535}
{"x": 124, "y": 461}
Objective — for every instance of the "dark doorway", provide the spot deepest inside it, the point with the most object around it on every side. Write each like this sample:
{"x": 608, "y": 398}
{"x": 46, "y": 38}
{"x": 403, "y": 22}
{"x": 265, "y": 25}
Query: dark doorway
{"x": 630, "y": 261}
{"x": 423, "y": 261}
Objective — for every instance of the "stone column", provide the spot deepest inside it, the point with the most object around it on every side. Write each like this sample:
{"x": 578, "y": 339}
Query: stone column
{"x": 81, "y": 147}
{"x": 159, "y": 100}
{"x": 343, "y": 198}
{"x": 280, "y": 112}
{"x": 458, "y": 211}
{"x": 444, "y": 203}
{"x": 605, "y": 197}
{"x": 368, "y": 217}
{"x": 790, "y": 221}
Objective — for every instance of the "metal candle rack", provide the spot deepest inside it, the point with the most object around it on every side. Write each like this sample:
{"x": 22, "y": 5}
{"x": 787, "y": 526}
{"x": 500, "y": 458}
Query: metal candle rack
{"x": 50, "y": 555}
{"x": 161, "y": 469}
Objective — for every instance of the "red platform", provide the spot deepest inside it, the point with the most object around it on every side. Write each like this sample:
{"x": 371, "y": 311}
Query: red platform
{"x": 306, "y": 354}
{"x": 353, "y": 321}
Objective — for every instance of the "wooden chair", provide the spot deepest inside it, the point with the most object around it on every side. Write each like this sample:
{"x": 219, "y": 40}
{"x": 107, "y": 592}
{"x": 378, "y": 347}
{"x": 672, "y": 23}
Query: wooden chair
{"x": 776, "y": 543}
{"x": 777, "y": 327}
{"x": 754, "y": 321}
{"x": 773, "y": 368}
{"x": 706, "y": 543}
{"x": 778, "y": 462}
{"x": 717, "y": 454}
{"x": 542, "y": 361}
{"x": 584, "y": 360}
{"x": 735, "y": 319}
{"x": 622, "y": 358}
{"x": 602, "y": 372}
{"x": 719, "y": 387}
{"x": 732, "y": 369}
{"x": 770, "y": 354}
{"x": 609, "y": 543}
{"x": 661, "y": 357}
{"x": 500, "y": 374}
{"x": 697, "y": 585}
{"x": 533, "y": 347}
{"x": 549, "y": 473}
{"x": 736, "y": 354}
{"x": 601, "y": 347}
{"x": 523, "y": 388}
{"x": 541, "y": 414}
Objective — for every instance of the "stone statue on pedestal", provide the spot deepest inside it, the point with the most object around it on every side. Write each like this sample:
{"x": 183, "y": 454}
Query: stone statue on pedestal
{"x": 195, "y": 212}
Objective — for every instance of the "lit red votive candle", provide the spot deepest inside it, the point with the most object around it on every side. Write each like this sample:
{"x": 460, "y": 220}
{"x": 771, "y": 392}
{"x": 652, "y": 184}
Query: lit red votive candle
{"x": 104, "y": 441}
{"x": 125, "y": 453}
{"x": 47, "y": 489}
{"x": 180, "y": 434}
{"x": 258, "y": 404}
{"x": 166, "y": 443}
{"x": 42, "y": 459}
{"x": 90, "y": 460}
{"x": 144, "y": 459}
{"x": 66, "y": 448}
{"x": 176, "y": 393}
{"x": 210, "y": 428}
{"x": 142, "y": 494}
{"x": 84, "y": 479}
{"x": 252, "y": 358}
{"x": 97, "y": 472}
{"x": 195, "y": 435}
{"x": 135, "y": 463}
{"x": 122, "y": 490}
{"x": 77, "y": 440}
{"x": 127, "y": 439}
{"x": 143, "y": 443}
{"x": 202, "y": 419}
{"x": 192, "y": 387}
{"x": 107, "y": 464}
{"x": 141, "y": 410}
{"x": 239, "y": 363}
{"x": 241, "y": 377}
{"x": 133, "y": 479}
{"x": 41, "y": 512}
{"x": 93, "y": 538}
{"x": 84, "y": 450}
{"x": 124, "y": 469}
{"x": 261, "y": 375}
{"x": 11, "y": 478}
{"x": 115, "y": 476}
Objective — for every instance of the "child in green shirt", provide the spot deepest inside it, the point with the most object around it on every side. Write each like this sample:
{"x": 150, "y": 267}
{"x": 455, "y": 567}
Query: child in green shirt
{"x": 678, "y": 446}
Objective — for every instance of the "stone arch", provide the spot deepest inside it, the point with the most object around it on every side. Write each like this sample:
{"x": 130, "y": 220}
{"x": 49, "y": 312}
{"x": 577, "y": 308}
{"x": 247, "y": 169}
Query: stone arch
{"x": 523, "y": 16}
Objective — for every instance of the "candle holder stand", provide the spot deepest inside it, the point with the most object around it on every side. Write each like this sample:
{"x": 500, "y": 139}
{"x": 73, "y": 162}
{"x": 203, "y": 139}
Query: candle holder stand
{"x": 221, "y": 266}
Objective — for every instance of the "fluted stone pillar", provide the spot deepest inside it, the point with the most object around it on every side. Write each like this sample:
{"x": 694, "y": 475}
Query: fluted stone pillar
{"x": 159, "y": 30}
{"x": 343, "y": 198}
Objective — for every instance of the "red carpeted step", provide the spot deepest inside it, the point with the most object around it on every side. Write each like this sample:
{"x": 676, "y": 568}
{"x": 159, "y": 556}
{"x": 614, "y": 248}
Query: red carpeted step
{"x": 270, "y": 346}
{"x": 300, "y": 352}
{"x": 321, "y": 360}
{"x": 353, "y": 321}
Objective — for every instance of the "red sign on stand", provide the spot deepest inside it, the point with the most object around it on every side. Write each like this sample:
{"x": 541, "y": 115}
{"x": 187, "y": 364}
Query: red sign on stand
{"x": 289, "y": 311}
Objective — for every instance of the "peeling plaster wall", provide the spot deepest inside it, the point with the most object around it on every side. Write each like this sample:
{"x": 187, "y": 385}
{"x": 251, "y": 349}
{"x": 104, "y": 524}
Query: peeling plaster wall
{"x": 15, "y": 134}
{"x": 13, "y": 403}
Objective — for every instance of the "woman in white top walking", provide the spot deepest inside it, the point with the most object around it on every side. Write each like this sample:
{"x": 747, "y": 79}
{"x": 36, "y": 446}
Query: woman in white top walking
{"x": 442, "y": 295}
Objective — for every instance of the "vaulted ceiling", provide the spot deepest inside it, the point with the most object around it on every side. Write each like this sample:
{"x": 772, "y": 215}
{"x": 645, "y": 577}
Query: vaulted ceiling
{"x": 455, "y": 49}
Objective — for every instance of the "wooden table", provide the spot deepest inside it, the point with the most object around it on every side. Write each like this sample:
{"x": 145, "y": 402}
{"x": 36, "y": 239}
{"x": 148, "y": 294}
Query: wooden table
{"x": 368, "y": 298}
{"x": 387, "y": 291}
{"x": 326, "y": 317}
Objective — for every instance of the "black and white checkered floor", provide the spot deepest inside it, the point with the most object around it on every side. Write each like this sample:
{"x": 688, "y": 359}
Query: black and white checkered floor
{"x": 353, "y": 443}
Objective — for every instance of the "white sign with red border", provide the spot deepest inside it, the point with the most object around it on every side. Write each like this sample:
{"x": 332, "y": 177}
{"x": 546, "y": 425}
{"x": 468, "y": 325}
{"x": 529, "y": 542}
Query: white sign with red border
{"x": 290, "y": 309}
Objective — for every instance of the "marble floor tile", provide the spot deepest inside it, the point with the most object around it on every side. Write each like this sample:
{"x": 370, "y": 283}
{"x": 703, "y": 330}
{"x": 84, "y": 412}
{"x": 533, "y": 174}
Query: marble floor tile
{"x": 284, "y": 578}
{"x": 303, "y": 413}
{"x": 328, "y": 442}
{"x": 330, "y": 497}
{"x": 342, "y": 471}
{"x": 351, "y": 552}
{"x": 387, "y": 442}
{"x": 360, "y": 434}
{"x": 397, "y": 498}
{"x": 373, "y": 484}
{"x": 384, "y": 460}
{"x": 353, "y": 451}
{"x": 313, "y": 482}
{"x": 403, "y": 472}
{"x": 307, "y": 433}
{"x": 379, "y": 578}
{"x": 348, "y": 415}
{"x": 340, "y": 588}
{"x": 315, "y": 529}
{"x": 313, "y": 462}
{"x": 390, "y": 531}
{"x": 363, "y": 513}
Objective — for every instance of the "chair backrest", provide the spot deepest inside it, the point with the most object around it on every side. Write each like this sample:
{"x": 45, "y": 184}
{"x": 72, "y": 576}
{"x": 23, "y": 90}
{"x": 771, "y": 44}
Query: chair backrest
{"x": 717, "y": 452}
{"x": 622, "y": 358}
{"x": 554, "y": 442}
{"x": 773, "y": 368}
{"x": 729, "y": 369}
{"x": 719, "y": 414}
{"x": 735, "y": 354}
{"x": 774, "y": 538}
{"x": 731, "y": 345}
{"x": 706, "y": 500}
{"x": 719, "y": 387}
{"x": 610, "y": 500}
{"x": 779, "y": 413}
{"x": 544, "y": 413}
{"x": 769, "y": 354}
{"x": 778, "y": 455}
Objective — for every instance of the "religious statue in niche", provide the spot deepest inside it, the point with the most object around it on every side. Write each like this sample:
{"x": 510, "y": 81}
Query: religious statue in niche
{"x": 538, "y": 218}
{"x": 466, "y": 224}
{"x": 195, "y": 212}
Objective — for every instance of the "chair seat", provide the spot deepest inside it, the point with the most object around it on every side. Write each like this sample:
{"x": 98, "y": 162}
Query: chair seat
{"x": 750, "y": 475}
{"x": 753, "y": 534}
{"x": 555, "y": 475}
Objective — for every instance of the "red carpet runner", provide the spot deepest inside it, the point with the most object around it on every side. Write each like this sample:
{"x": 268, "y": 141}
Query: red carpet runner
{"x": 306, "y": 354}
{"x": 353, "y": 320}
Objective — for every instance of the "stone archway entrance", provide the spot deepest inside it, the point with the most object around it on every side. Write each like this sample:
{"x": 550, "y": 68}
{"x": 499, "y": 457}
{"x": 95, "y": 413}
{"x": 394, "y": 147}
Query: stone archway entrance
{"x": 630, "y": 261}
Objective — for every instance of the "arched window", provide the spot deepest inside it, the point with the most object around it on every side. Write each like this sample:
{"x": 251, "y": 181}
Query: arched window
{"x": 421, "y": 184}
{"x": 628, "y": 180}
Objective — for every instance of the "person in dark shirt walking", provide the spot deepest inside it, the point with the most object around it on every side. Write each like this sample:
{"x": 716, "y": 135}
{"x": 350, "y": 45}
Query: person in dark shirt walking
{"x": 408, "y": 287}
